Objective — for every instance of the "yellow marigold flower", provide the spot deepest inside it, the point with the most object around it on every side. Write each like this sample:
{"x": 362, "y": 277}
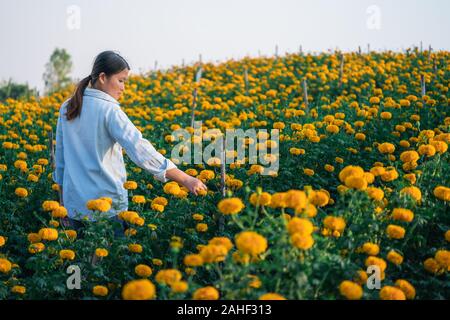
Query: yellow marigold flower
{"x": 361, "y": 277}
{"x": 411, "y": 177}
{"x": 230, "y": 206}
{"x": 442, "y": 193}
{"x": 407, "y": 288}
{"x": 386, "y": 115}
{"x": 308, "y": 172}
{"x": 172, "y": 188}
{"x": 224, "y": 241}
{"x": 413, "y": 191}
{"x": 50, "y": 205}
{"x": 36, "y": 247}
{"x": 54, "y": 223}
{"x": 351, "y": 290}
{"x": 391, "y": 293}
{"x": 377, "y": 171}
{"x": 386, "y": 147}
{"x": 443, "y": 259}
{"x": 401, "y": 214}
{"x": 409, "y": 156}
{"x": 101, "y": 291}
{"x": 206, "y": 175}
{"x": 21, "y": 192}
{"x": 5, "y": 265}
{"x": 101, "y": 253}
{"x": 2, "y": 241}
{"x": 251, "y": 243}
{"x": 296, "y": 199}
{"x": 98, "y": 205}
{"x": 143, "y": 270}
{"x": 136, "y": 248}
{"x": 319, "y": 198}
{"x": 138, "y": 199}
{"x": 160, "y": 200}
{"x": 447, "y": 236}
{"x": 157, "y": 207}
{"x": 201, "y": 227}
{"x": 334, "y": 223}
{"x": 130, "y": 185}
{"x": 33, "y": 178}
{"x": 197, "y": 217}
{"x": 271, "y": 296}
{"x": 157, "y": 262}
{"x": 168, "y": 276}
{"x": 395, "y": 257}
{"x": 374, "y": 100}
{"x": 48, "y": 234}
{"x": 67, "y": 254}
{"x": 375, "y": 193}
{"x": 302, "y": 241}
{"x": 206, "y": 293}
{"x": 213, "y": 253}
{"x": 329, "y": 168}
{"x": 432, "y": 266}
{"x": 128, "y": 216}
{"x": 370, "y": 249}
{"x": 355, "y": 182}
{"x": 395, "y": 232}
{"x": 350, "y": 171}
{"x": 375, "y": 261}
{"x": 19, "y": 289}
{"x": 427, "y": 150}
{"x": 21, "y": 165}
{"x": 262, "y": 199}
{"x": 389, "y": 175}
{"x": 59, "y": 212}
{"x": 278, "y": 200}
{"x": 193, "y": 260}
{"x": 142, "y": 289}
{"x": 332, "y": 128}
{"x": 279, "y": 125}
{"x": 179, "y": 287}
{"x": 300, "y": 225}
{"x": 440, "y": 146}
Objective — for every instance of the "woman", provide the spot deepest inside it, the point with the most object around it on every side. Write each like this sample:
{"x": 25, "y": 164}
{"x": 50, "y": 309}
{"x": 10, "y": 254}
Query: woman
{"x": 91, "y": 132}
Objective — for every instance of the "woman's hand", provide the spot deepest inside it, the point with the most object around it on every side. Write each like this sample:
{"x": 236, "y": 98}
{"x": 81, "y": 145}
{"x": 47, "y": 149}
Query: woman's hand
{"x": 194, "y": 185}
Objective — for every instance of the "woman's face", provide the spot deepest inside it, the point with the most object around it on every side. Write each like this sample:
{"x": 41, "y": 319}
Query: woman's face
{"x": 113, "y": 85}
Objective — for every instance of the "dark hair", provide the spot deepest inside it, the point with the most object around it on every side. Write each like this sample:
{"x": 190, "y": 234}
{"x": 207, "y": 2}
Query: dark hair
{"x": 108, "y": 62}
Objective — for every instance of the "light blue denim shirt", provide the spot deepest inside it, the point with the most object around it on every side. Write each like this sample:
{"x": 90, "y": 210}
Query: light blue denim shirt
{"x": 88, "y": 155}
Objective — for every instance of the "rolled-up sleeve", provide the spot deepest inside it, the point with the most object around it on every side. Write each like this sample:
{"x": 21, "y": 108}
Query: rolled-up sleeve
{"x": 139, "y": 149}
{"x": 58, "y": 173}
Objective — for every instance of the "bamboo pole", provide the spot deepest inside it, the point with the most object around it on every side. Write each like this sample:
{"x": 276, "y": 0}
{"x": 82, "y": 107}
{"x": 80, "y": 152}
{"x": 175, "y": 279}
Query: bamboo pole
{"x": 341, "y": 70}
{"x": 198, "y": 76}
{"x": 305, "y": 93}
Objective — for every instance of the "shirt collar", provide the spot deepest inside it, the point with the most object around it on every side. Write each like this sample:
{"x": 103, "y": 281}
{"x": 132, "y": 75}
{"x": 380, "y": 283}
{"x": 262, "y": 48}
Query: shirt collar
{"x": 99, "y": 94}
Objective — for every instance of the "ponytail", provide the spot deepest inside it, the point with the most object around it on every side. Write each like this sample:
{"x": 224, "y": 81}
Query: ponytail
{"x": 75, "y": 103}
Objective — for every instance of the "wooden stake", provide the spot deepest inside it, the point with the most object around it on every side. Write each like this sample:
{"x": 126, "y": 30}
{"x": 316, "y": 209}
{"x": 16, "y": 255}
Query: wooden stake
{"x": 246, "y": 80}
{"x": 341, "y": 70}
{"x": 222, "y": 167}
{"x": 198, "y": 76}
{"x": 423, "y": 85}
{"x": 276, "y": 51}
{"x": 305, "y": 93}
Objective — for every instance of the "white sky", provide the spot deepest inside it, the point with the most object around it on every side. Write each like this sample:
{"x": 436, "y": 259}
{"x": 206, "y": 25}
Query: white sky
{"x": 171, "y": 30}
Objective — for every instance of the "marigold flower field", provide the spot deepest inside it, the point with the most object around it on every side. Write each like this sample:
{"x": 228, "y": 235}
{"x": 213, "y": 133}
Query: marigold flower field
{"x": 363, "y": 181}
